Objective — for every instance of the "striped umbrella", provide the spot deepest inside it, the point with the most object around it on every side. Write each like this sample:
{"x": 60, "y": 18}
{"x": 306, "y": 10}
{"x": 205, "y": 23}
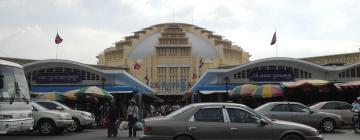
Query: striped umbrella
{"x": 268, "y": 91}
{"x": 54, "y": 96}
{"x": 88, "y": 92}
{"x": 242, "y": 90}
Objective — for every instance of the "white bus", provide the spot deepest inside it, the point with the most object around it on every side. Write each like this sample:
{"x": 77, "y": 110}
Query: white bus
{"x": 15, "y": 110}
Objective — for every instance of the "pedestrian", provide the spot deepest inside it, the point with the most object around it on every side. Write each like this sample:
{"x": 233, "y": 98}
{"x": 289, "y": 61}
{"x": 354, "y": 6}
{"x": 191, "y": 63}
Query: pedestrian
{"x": 113, "y": 115}
{"x": 132, "y": 117}
{"x": 152, "y": 110}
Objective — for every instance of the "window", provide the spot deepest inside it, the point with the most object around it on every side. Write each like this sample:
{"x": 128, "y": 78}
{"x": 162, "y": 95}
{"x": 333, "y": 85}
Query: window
{"x": 241, "y": 116}
{"x": 281, "y": 108}
{"x": 209, "y": 115}
{"x": 298, "y": 108}
{"x": 48, "y": 105}
{"x": 344, "y": 106}
{"x": 331, "y": 106}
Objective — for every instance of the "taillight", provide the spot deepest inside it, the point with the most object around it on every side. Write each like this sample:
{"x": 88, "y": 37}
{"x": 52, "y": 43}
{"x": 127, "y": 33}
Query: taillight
{"x": 147, "y": 128}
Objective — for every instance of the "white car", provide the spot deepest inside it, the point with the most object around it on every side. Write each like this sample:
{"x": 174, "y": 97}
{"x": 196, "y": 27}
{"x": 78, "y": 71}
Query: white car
{"x": 50, "y": 121}
{"x": 81, "y": 119}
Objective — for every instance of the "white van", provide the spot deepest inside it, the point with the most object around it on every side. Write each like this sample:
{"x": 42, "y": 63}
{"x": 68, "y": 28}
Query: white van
{"x": 15, "y": 110}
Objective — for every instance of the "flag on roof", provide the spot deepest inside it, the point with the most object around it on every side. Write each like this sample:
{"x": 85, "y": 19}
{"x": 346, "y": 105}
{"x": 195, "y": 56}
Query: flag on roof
{"x": 58, "y": 39}
{"x": 137, "y": 66}
{"x": 201, "y": 63}
{"x": 273, "y": 40}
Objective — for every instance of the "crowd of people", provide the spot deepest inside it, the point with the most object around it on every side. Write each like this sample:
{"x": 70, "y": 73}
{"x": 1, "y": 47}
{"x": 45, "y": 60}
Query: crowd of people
{"x": 134, "y": 115}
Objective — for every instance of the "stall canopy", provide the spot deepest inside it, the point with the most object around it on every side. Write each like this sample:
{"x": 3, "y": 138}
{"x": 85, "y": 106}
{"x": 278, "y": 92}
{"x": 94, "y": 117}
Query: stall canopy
{"x": 209, "y": 89}
{"x": 303, "y": 83}
{"x": 349, "y": 85}
{"x": 58, "y": 88}
{"x": 243, "y": 90}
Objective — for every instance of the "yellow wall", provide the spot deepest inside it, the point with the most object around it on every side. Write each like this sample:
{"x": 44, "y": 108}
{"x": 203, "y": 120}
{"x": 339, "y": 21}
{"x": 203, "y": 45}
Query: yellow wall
{"x": 159, "y": 67}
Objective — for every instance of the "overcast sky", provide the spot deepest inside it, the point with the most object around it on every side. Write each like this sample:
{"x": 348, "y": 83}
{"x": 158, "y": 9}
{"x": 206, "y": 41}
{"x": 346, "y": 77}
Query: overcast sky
{"x": 305, "y": 28}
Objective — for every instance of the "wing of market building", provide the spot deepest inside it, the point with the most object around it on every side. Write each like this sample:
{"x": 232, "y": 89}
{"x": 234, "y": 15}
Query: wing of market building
{"x": 297, "y": 78}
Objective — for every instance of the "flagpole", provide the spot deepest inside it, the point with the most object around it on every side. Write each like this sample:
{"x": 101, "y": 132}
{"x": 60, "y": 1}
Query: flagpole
{"x": 57, "y": 48}
{"x": 276, "y": 45}
{"x": 57, "y": 45}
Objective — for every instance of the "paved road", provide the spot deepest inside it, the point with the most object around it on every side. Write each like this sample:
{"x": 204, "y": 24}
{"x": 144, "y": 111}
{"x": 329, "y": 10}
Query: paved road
{"x": 100, "y": 134}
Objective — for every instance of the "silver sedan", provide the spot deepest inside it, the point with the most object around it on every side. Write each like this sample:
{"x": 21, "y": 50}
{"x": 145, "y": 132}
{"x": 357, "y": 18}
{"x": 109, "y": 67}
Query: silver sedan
{"x": 297, "y": 112}
{"x": 225, "y": 121}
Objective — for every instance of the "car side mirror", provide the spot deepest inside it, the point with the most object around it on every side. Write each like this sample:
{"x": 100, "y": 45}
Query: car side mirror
{"x": 311, "y": 112}
{"x": 59, "y": 108}
{"x": 262, "y": 122}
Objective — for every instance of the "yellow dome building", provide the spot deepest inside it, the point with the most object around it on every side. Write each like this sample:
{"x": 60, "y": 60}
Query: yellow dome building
{"x": 171, "y": 57}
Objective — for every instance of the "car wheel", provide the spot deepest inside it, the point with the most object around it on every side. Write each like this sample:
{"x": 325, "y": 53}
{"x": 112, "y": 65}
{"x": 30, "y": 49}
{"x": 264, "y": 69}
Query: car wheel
{"x": 74, "y": 127}
{"x": 327, "y": 125}
{"x": 183, "y": 138}
{"x": 292, "y": 137}
{"x": 46, "y": 127}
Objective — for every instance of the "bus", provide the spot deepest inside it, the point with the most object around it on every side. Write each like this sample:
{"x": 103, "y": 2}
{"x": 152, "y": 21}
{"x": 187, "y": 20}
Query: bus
{"x": 15, "y": 110}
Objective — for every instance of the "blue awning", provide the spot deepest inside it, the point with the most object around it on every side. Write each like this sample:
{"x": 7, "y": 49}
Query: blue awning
{"x": 208, "y": 89}
{"x": 62, "y": 88}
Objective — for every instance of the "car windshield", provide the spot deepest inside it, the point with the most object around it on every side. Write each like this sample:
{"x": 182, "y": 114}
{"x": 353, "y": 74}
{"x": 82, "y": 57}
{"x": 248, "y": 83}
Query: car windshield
{"x": 179, "y": 111}
{"x": 52, "y": 105}
{"x": 9, "y": 77}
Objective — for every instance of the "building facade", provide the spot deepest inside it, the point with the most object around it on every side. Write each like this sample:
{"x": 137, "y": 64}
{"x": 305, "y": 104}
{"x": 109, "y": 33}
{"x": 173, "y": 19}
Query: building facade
{"x": 170, "y": 57}
{"x": 345, "y": 58}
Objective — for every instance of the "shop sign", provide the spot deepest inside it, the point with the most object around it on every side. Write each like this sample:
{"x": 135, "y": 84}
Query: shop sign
{"x": 271, "y": 75}
{"x": 47, "y": 78}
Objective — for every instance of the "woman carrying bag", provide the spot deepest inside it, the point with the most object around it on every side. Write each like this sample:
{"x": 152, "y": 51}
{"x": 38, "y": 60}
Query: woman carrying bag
{"x": 132, "y": 117}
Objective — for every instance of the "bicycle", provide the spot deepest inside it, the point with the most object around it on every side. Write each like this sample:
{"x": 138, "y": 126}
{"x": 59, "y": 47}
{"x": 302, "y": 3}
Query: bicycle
{"x": 356, "y": 122}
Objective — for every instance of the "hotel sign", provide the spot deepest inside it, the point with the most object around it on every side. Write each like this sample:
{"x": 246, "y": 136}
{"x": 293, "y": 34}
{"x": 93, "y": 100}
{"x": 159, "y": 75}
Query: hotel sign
{"x": 271, "y": 75}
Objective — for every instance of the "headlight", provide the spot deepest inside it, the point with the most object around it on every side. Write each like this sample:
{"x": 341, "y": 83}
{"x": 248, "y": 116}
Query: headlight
{"x": 86, "y": 114}
{"x": 5, "y": 117}
{"x": 313, "y": 132}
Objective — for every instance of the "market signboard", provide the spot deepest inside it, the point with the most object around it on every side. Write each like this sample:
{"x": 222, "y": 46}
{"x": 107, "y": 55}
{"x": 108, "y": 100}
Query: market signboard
{"x": 271, "y": 75}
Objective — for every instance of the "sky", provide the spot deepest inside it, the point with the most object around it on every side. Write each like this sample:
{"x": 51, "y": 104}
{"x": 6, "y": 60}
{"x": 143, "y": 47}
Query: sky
{"x": 305, "y": 28}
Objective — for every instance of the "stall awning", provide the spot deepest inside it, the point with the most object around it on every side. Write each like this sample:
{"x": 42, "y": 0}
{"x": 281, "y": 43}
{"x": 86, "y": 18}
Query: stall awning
{"x": 61, "y": 88}
{"x": 209, "y": 89}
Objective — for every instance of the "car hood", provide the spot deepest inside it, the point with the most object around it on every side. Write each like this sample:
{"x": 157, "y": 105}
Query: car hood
{"x": 291, "y": 125}
{"x": 335, "y": 116}
{"x": 76, "y": 111}
{"x": 54, "y": 112}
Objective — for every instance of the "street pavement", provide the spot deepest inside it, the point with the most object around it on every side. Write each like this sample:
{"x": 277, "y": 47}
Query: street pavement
{"x": 101, "y": 134}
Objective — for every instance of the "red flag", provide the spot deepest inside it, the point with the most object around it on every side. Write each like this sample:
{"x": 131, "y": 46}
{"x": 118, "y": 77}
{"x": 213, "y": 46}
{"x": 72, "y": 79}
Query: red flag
{"x": 137, "y": 66}
{"x": 194, "y": 76}
{"x": 146, "y": 79}
{"x": 201, "y": 63}
{"x": 58, "y": 39}
{"x": 273, "y": 40}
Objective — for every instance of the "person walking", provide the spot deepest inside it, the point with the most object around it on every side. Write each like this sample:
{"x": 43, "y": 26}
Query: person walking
{"x": 132, "y": 117}
{"x": 113, "y": 115}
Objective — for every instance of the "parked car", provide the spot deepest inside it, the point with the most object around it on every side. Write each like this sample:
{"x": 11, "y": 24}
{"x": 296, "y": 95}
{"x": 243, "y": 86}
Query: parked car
{"x": 336, "y": 107}
{"x": 82, "y": 119}
{"x": 50, "y": 121}
{"x": 223, "y": 121}
{"x": 297, "y": 112}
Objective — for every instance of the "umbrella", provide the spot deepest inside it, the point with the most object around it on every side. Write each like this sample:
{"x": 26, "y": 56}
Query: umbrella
{"x": 243, "y": 90}
{"x": 267, "y": 91}
{"x": 88, "y": 92}
{"x": 302, "y": 83}
{"x": 71, "y": 95}
{"x": 55, "y": 96}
